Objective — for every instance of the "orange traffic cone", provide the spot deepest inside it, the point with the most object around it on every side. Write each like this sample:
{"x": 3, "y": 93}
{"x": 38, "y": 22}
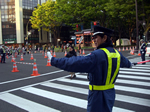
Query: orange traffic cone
{"x": 65, "y": 53}
{"x": 34, "y": 51}
{"x": 139, "y": 54}
{"x": 7, "y": 56}
{"x": 83, "y": 52}
{"x": 31, "y": 57}
{"x": 15, "y": 54}
{"x": 123, "y": 49}
{"x": 15, "y": 67}
{"x": 21, "y": 58}
{"x": 12, "y": 60}
{"x": 51, "y": 52}
{"x": 126, "y": 48}
{"x": 131, "y": 52}
{"x": 45, "y": 55}
{"x": 54, "y": 54}
{"x": 48, "y": 62}
{"x": 119, "y": 49}
{"x": 133, "y": 47}
{"x": 35, "y": 70}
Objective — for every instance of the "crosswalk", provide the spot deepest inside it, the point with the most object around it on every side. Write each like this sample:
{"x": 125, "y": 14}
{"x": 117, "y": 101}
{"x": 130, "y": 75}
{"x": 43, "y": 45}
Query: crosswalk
{"x": 66, "y": 95}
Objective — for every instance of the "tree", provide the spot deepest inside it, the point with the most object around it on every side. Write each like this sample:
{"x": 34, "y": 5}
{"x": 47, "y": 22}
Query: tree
{"x": 44, "y": 17}
{"x": 144, "y": 16}
{"x": 81, "y": 12}
{"x": 124, "y": 12}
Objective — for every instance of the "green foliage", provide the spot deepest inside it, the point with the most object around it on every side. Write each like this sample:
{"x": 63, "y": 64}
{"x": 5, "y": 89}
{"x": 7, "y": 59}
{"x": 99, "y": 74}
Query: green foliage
{"x": 116, "y": 14}
{"x": 44, "y": 16}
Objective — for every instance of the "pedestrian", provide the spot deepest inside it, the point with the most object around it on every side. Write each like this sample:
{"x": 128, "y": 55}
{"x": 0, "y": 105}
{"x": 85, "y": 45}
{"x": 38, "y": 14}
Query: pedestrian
{"x": 3, "y": 53}
{"x": 143, "y": 50}
{"x": 62, "y": 48}
{"x": 102, "y": 66}
{"x": 70, "y": 54}
{"x": 66, "y": 47}
{"x": 79, "y": 48}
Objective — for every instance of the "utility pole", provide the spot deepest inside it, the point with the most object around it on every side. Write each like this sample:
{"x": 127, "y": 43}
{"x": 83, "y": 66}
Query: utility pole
{"x": 137, "y": 25}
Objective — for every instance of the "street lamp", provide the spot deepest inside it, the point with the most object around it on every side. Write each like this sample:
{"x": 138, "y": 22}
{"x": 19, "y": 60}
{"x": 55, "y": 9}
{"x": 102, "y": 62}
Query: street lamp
{"x": 58, "y": 41}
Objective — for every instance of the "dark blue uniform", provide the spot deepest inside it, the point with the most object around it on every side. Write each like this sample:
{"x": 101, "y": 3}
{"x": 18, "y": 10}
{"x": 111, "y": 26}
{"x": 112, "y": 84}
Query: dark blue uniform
{"x": 143, "y": 52}
{"x": 3, "y": 55}
{"x": 96, "y": 64}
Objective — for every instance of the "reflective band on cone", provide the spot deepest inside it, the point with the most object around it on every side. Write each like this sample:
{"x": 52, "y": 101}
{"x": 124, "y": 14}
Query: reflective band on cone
{"x": 48, "y": 62}
{"x": 31, "y": 57}
{"x": 65, "y": 53}
{"x": 83, "y": 52}
{"x": 21, "y": 58}
{"x": 15, "y": 67}
{"x": 12, "y": 60}
{"x": 54, "y": 54}
{"x": 45, "y": 55}
{"x": 35, "y": 70}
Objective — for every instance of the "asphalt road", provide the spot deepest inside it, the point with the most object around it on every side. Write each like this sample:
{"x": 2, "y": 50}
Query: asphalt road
{"x": 22, "y": 83}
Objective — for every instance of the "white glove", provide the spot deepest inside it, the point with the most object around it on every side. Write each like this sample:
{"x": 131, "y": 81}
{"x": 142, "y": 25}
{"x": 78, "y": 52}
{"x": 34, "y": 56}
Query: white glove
{"x": 49, "y": 55}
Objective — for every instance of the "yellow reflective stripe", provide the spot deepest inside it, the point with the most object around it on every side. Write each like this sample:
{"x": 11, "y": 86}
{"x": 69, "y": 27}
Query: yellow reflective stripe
{"x": 110, "y": 56}
{"x": 117, "y": 69}
{"x": 102, "y": 87}
{"x": 109, "y": 66}
{"x": 3, "y": 50}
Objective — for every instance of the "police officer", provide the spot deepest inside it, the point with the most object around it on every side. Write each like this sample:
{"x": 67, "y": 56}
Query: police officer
{"x": 142, "y": 50}
{"x": 102, "y": 65}
{"x": 3, "y": 52}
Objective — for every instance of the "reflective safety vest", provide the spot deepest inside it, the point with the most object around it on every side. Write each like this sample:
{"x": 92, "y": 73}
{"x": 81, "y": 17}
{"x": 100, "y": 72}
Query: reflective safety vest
{"x": 109, "y": 81}
{"x": 3, "y": 50}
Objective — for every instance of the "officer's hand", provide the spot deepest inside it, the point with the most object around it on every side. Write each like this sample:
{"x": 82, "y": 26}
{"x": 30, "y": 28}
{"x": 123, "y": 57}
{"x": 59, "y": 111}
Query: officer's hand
{"x": 49, "y": 55}
{"x": 133, "y": 64}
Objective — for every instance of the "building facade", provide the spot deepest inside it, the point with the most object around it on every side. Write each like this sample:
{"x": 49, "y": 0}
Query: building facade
{"x": 15, "y": 27}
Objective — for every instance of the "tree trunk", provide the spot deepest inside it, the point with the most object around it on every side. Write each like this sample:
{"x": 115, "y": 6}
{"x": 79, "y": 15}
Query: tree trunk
{"x": 119, "y": 38}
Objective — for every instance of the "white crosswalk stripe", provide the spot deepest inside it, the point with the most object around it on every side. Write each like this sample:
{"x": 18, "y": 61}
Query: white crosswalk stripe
{"x": 134, "y": 81}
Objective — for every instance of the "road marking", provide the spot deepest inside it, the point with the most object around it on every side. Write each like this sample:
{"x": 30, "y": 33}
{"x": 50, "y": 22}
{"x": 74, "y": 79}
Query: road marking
{"x": 125, "y": 81}
{"x": 135, "y": 73}
{"x": 133, "y": 77}
{"x": 31, "y": 85}
{"x": 26, "y": 104}
{"x": 136, "y": 70}
{"x": 117, "y": 87}
{"x": 134, "y": 100}
{"x": 31, "y": 77}
{"x": 57, "y": 97}
{"x": 67, "y": 88}
{"x": 66, "y": 99}
{"x": 124, "y": 98}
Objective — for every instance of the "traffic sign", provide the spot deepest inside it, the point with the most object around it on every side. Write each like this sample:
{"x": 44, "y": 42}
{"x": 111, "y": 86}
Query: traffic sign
{"x": 80, "y": 39}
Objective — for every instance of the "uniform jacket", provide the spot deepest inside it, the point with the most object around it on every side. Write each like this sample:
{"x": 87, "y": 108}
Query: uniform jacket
{"x": 95, "y": 64}
{"x": 143, "y": 47}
